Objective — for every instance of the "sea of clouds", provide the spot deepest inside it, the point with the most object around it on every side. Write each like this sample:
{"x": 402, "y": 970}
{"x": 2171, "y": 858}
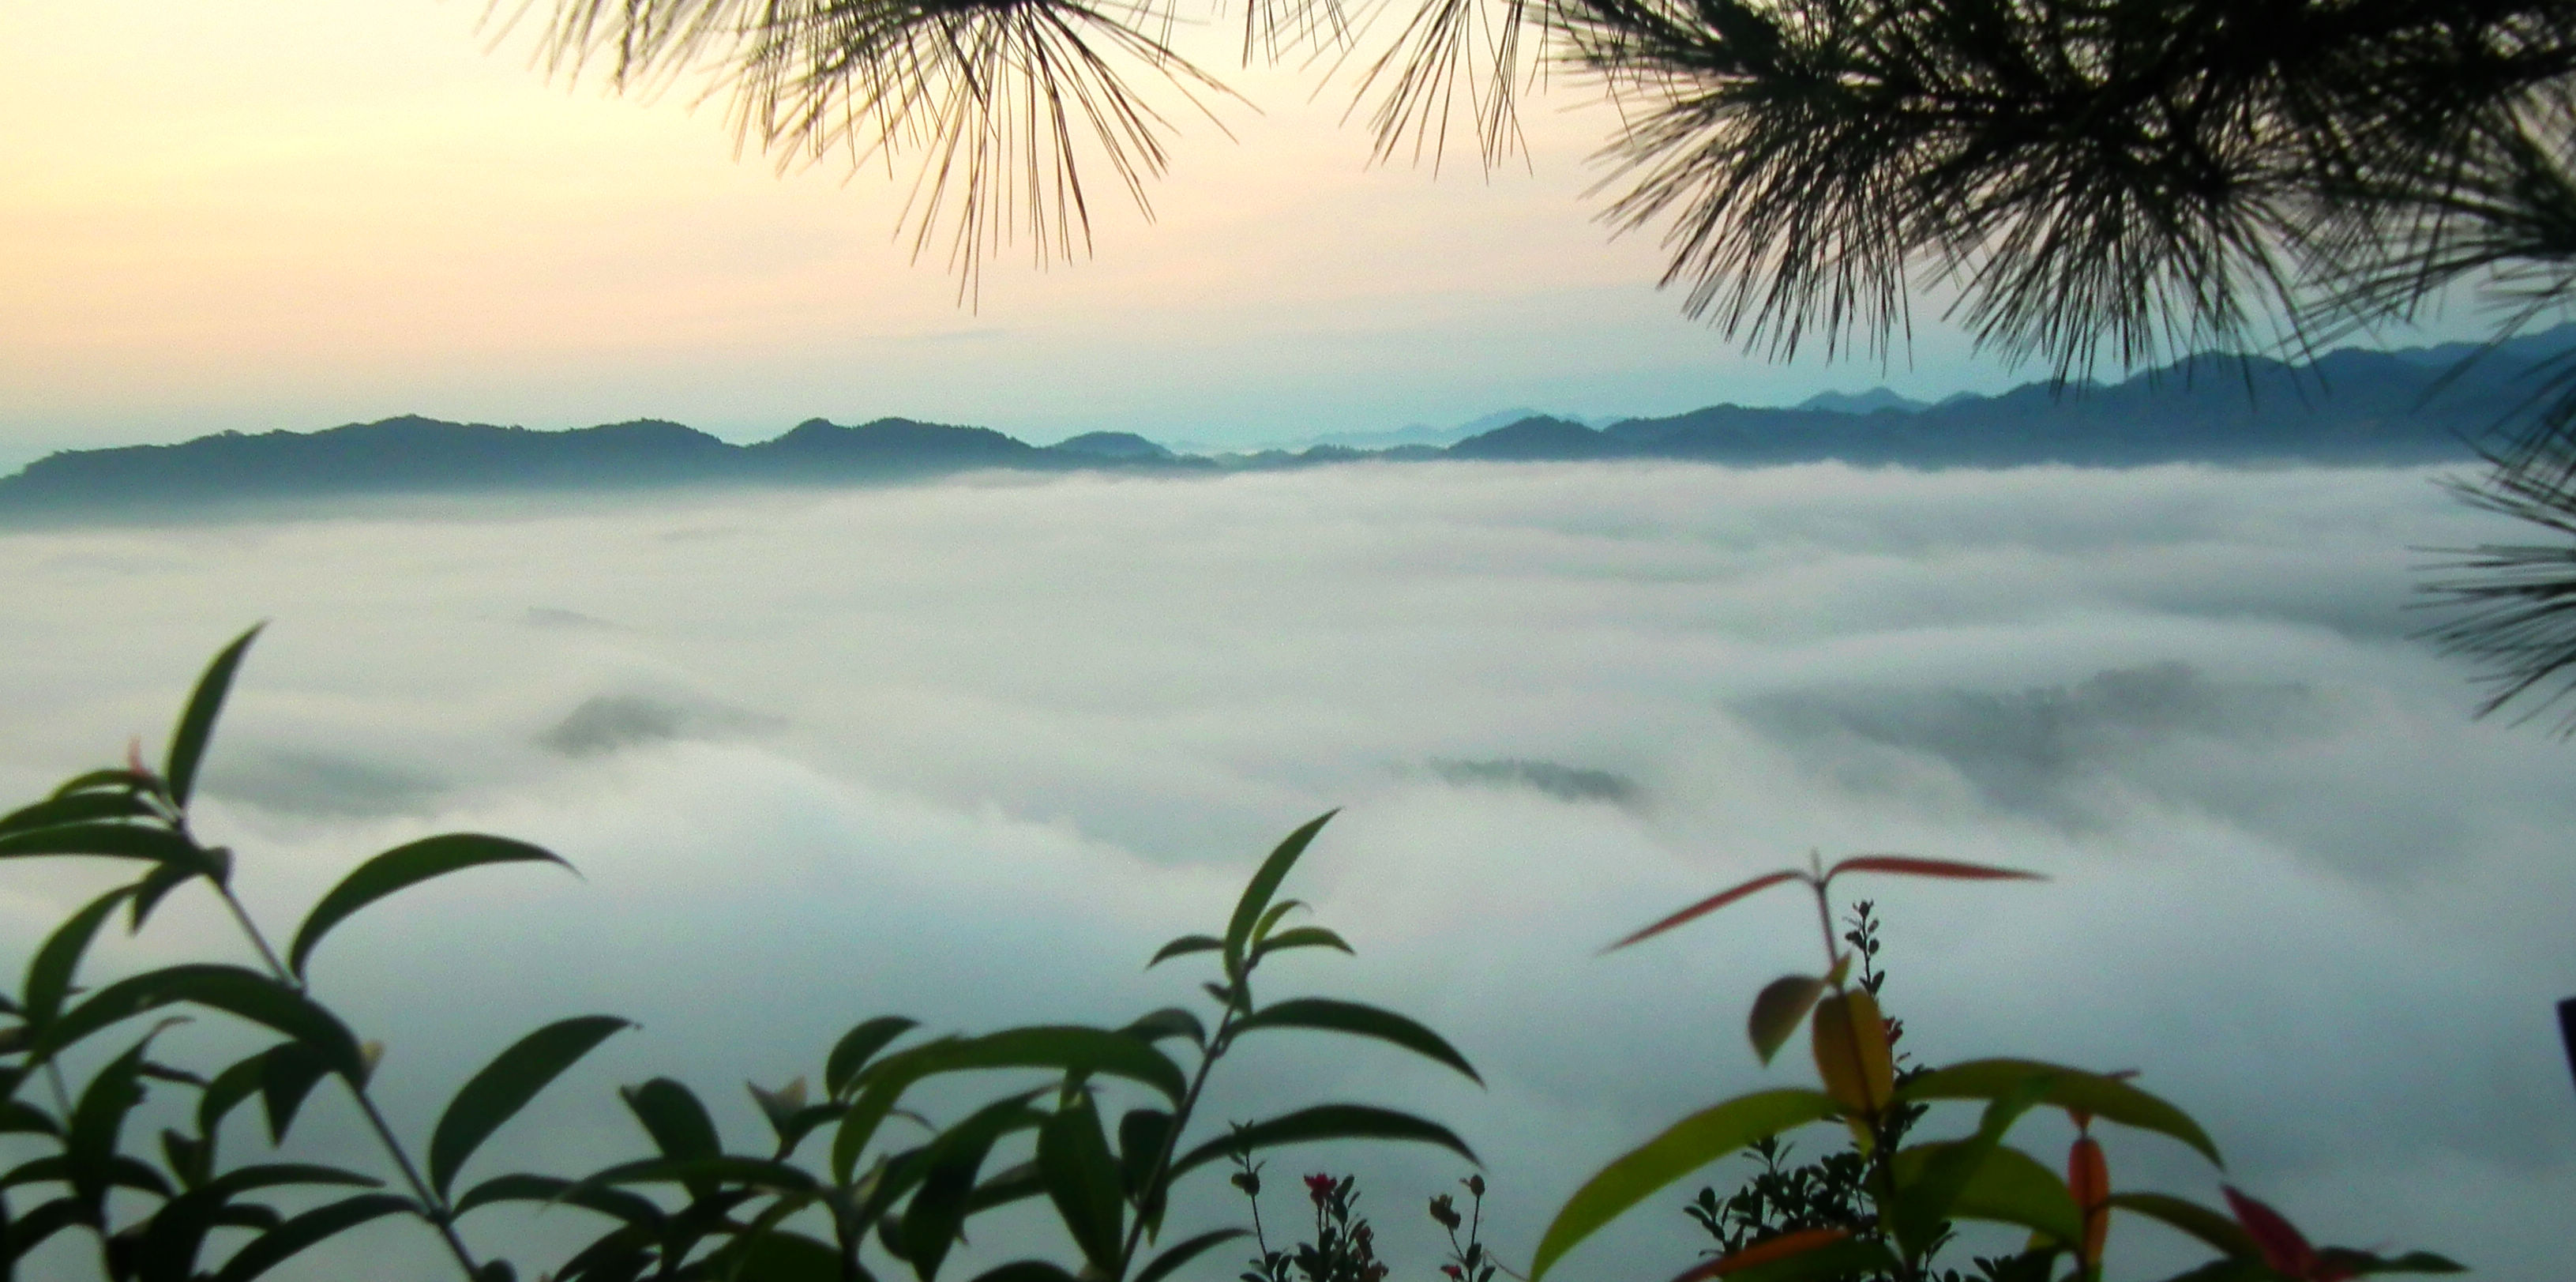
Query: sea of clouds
{"x": 969, "y": 751}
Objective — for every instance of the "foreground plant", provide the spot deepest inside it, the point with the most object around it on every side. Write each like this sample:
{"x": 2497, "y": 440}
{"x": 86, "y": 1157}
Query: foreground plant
{"x": 694, "y": 1207}
{"x": 1909, "y": 1195}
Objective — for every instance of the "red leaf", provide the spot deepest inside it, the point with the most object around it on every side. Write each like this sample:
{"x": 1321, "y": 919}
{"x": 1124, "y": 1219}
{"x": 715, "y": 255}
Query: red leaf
{"x": 1917, "y": 866}
{"x": 2285, "y": 1249}
{"x": 1709, "y": 905}
{"x": 1778, "y": 1248}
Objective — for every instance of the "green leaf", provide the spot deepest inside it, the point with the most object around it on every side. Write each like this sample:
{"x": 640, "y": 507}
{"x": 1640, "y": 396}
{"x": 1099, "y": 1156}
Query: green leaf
{"x": 1170, "y": 1021}
{"x": 505, "y": 1086}
{"x": 1686, "y": 1146}
{"x": 547, "y": 1189}
{"x": 115, "y": 840}
{"x": 1941, "y": 1173}
{"x": 932, "y": 1220}
{"x": 1082, "y": 1179}
{"x": 50, "y": 972}
{"x": 18, "y": 1117}
{"x": 1270, "y": 920}
{"x": 776, "y": 1255}
{"x": 231, "y": 989}
{"x": 90, "y": 1140}
{"x": 197, "y": 723}
{"x": 1072, "y": 1048}
{"x": 1361, "y": 1021}
{"x": 1257, "y": 892}
{"x": 1185, "y": 1251}
{"x": 2216, "y": 1228}
{"x": 1026, "y": 1271}
{"x": 77, "y": 807}
{"x": 678, "y": 1123}
{"x": 857, "y": 1047}
{"x": 287, "y": 1075}
{"x": 29, "y": 1231}
{"x": 1300, "y": 937}
{"x": 287, "y": 1240}
{"x": 1140, "y": 1144}
{"x": 230, "y": 1087}
{"x": 1011, "y": 1184}
{"x": 2105, "y": 1097}
{"x": 1184, "y": 946}
{"x": 168, "y": 1249}
{"x": 402, "y": 867}
{"x": 1777, "y": 1012}
{"x": 149, "y": 892}
{"x": 757, "y": 1172}
{"x": 1324, "y": 1122}
{"x": 2006, "y": 1186}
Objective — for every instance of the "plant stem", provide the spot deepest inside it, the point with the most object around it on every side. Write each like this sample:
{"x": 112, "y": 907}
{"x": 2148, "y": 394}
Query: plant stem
{"x": 1825, "y": 918}
{"x": 1152, "y": 1192}
{"x": 433, "y": 1207}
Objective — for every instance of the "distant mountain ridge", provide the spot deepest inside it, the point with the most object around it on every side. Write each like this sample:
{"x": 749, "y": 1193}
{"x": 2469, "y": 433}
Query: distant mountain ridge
{"x": 2347, "y": 407}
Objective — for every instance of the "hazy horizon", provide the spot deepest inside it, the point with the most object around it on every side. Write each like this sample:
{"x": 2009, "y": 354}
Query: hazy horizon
{"x": 968, "y": 751}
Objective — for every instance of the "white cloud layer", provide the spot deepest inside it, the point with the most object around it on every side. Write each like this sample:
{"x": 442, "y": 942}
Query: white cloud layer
{"x": 969, "y": 751}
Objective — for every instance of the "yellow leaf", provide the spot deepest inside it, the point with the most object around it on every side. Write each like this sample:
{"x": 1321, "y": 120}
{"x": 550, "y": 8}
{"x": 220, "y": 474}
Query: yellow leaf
{"x": 1852, "y": 1054}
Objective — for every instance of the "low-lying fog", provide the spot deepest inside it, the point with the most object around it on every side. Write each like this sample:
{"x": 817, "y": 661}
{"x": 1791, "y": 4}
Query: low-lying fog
{"x": 970, "y": 751}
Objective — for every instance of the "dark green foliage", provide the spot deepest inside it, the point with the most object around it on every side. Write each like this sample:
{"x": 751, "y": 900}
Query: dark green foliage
{"x": 696, "y": 1206}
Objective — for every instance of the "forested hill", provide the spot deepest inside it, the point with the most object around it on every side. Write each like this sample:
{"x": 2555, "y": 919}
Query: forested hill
{"x": 2349, "y": 407}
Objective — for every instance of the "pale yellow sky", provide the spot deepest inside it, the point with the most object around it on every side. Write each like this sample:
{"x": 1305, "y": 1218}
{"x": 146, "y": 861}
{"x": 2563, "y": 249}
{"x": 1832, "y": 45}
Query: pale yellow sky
{"x": 295, "y": 213}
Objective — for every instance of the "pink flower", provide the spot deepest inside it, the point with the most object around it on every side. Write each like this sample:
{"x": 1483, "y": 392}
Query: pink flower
{"x": 1319, "y": 1187}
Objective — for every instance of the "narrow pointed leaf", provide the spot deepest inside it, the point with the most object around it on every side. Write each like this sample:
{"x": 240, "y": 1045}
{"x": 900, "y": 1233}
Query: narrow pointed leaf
{"x": 50, "y": 972}
{"x": 1825, "y": 1261}
{"x": 230, "y": 1087}
{"x": 1360, "y": 1021}
{"x": 1183, "y": 1252}
{"x": 1140, "y": 1142}
{"x": 1257, "y": 893}
{"x": 78, "y": 807}
{"x": 287, "y": 1076}
{"x": 90, "y": 1138}
{"x": 615, "y": 1203}
{"x": 1787, "y": 1246}
{"x": 1011, "y": 1184}
{"x": 1184, "y": 946}
{"x": 672, "y": 1115}
{"x": 1170, "y": 1021}
{"x": 1324, "y": 1122}
{"x": 231, "y": 989}
{"x": 1071, "y": 1048}
{"x": 1301, "y": 937}
{"x": 149, "y": 892}
{"x": 27, "y": 1232}
{"x": 2347, "y": 1262}
{"x": 177, "y": 1232}
{"x": 401, "y": 867}
{"x": 505, "y": 1086}
{"x": 18, "y": 1117}
{"x": 2096, "y": 1093}
{"x": 2002, "y": 1184}
{"x": 1777, "y": 1012}
{"x": 932, "y": 1220}
{"x": 756, "y": 1172}
{"x": 858, "y": 1046}
{"x": 2214, "y": 1227}
{"x": 289, "y": 1239}
{"x": 1917, "y": 866}
{"x": 1938, "y": 1175}
{"x": 1706, "y": 906}
{"x": 1028, "y": 1271}
{"x": 1081, "y": 1178}
{"x": 197, "y": 723}
{"x": 114, "y": 840}
{"x": 1686, "y": 1146}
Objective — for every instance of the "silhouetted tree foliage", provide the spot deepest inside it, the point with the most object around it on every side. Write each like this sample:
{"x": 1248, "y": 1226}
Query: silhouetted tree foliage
{"x": 2085, "y": 182}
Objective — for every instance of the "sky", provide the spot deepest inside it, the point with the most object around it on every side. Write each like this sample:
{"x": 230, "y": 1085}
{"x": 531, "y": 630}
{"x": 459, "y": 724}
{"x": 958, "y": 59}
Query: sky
{"x": 969, "y": 751}
{"x": 303, "y": 213}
